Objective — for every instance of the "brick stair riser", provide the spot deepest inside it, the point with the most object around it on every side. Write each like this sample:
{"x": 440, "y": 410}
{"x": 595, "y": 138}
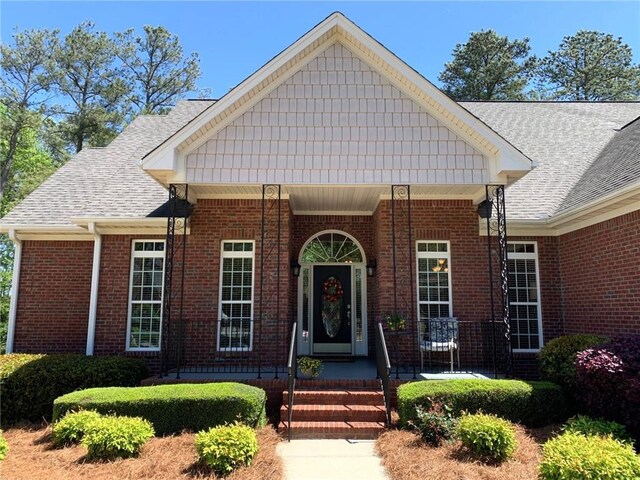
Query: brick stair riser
{"x": 332, "y": 430}
{"x": 327, "y": 398}
{"x": 337, "y": 414}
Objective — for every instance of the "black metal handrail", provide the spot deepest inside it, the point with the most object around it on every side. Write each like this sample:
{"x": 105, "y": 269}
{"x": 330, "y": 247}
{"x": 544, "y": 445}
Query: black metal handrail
{"x": 292, "y": 368}
{"x": 384, "y": 371}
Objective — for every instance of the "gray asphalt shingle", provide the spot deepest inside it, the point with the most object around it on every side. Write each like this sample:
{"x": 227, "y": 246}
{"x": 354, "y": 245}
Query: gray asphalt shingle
{"x": 580, "y": 155}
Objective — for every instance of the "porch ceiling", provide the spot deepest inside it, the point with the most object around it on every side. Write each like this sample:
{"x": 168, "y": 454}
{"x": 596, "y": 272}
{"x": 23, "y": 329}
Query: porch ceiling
{"x": 338, "y": 199}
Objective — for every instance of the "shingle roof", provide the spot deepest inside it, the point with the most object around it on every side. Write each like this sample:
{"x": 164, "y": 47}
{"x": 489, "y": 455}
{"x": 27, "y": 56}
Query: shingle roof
{"x": 617, "y": 166}
{"x": 564, "y": 138}
{"x": 579, "y": 152}
{"x": 106, "y": 182}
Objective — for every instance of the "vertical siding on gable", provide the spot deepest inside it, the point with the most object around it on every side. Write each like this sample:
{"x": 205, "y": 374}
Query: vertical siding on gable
{"x": 334, "y": 117}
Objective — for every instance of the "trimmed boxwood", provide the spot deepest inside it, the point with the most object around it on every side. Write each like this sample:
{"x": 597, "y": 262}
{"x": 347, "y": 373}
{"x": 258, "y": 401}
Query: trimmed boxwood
{"x": 173, "y": 408}
{"x": 530, "y": 403}
{"x": 30, "y": 383}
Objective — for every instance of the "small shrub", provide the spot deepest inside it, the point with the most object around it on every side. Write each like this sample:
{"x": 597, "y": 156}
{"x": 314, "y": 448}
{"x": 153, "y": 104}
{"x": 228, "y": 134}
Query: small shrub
{"x": 531, "y": 403}
{"x": 226, "y": 447}
{"x": 573, "y": 456}
{"x": 609, "y": 377}
{"x": 116, "y": 437}
{"x": 558, "y": 356}
{"x": 70, "y": 429}
{"x": 173, "y": 408}
{"x": 435, "y": 424}
{"x": 590, "y": 426}
{"x": 4, "y": 447}
{"x": 487, "y": 436}
{"x": 30, "y": 383}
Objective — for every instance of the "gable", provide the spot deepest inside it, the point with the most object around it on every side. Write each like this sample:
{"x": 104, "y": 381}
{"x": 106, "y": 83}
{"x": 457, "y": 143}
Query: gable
{"x": 336, "y": 120}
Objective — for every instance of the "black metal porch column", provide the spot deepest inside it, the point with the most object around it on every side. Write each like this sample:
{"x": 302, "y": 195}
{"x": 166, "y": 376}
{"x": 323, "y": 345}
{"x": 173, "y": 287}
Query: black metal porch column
{"x": 270, "y": 249}
{"x": 402, "y": 258}
{"x": 498, "y": 282}
{"x": 179, "y": 210}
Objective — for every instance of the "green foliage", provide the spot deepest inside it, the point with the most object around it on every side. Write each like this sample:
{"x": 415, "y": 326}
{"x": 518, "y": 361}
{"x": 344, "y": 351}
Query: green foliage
{"x": 155, "y": 67}
{"x": 30, "y": 383}
{"x": 591, "y": 66}
{"x": 487, "y": 436}
{"x": 310, "y": 366}
{"x": 573, "y": 456}
{"x": 116, "y": 437}
{"x": 4, "y": 447}
{"x": 70, "y": 429}
{"x": 173, "y": 408}
{"x": 531, "y": 403}
{"x": 226, "y": 447}
{"x": 488, "y": 67}
{"x": 598, "y": 426}
{"x": 436, "y": 424}
{"x": 557, "y": 358}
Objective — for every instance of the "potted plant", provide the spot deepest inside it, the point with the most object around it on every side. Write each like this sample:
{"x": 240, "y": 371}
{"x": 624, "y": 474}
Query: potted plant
{"x": 310, "y": 367}
{"x": 394, "y": 322}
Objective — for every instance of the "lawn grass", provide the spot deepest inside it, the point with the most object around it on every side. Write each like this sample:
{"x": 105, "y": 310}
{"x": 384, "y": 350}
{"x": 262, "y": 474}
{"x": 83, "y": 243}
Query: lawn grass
{"x": 32, "y": 457}
{"x": 406, "y": 457}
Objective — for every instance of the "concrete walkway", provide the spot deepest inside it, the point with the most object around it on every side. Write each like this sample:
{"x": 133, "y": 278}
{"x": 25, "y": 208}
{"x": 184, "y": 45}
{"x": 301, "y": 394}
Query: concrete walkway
{"x": 331, "y": 459}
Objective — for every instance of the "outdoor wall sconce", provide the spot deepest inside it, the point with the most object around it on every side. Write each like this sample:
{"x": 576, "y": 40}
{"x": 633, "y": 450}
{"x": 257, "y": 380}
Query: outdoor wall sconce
{"x": 485, "y": 209}
{"x": 295, "y": 268}
{"x": 371, "y": 268}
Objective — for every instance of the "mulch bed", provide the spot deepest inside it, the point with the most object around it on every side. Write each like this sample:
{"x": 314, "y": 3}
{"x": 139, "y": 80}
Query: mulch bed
{"x": 406, "y": 457}
{"x": 32, "y": 457}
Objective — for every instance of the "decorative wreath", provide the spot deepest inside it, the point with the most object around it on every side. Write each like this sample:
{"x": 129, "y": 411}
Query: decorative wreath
{"x": 332, "y": 290}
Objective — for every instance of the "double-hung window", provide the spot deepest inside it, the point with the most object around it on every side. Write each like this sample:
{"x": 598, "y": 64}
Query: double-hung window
{"x": 524, "y": 296}
{"x": 434, "y": 279}
{"x": 235, "y": 325}
{"x": 144, "y": 324}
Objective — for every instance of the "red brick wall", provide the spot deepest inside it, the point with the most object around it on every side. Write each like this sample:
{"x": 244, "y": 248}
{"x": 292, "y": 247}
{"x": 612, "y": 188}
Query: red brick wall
{"x": 600, "y": 280}
{"x": 53, "y": 298}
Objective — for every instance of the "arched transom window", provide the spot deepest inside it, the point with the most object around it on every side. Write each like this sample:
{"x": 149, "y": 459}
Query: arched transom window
{"x": 332, "y": 247}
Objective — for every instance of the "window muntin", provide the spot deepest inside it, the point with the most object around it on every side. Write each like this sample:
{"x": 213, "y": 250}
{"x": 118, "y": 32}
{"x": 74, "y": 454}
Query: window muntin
{"x": 144, "y": 325}
{"x": 235, "y": 327}
{"x": 434, "y": 279}
{"x": 332, "y": 247}
{"x": 524, "y": 296}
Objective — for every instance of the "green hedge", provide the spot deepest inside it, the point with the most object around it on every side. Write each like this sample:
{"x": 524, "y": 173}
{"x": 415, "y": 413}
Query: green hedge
{"x": 530, "y": 403}
{"x": 30, "y": 383}
{"x": 173, "y": 408}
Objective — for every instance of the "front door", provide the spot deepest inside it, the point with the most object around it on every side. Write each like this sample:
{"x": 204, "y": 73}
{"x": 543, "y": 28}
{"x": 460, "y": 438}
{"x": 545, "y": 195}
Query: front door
{"x": 332, "y": 309}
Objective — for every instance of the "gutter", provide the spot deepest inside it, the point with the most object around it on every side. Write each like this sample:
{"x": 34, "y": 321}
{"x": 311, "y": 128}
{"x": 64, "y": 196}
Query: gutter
{"x": 95, "y": 279}
{"x": 15, "y": 285}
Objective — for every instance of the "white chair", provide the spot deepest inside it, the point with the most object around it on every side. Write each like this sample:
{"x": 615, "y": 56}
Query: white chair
{"x": 439, "y": 335}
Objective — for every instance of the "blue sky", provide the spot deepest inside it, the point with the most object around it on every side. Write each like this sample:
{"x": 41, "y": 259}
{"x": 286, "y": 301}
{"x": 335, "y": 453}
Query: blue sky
{"x": 236, "y": 38}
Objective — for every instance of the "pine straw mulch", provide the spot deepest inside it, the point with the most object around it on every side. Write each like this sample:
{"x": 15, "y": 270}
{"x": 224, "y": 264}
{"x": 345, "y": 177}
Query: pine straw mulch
{"x": 32, "y": 457}
{"x": 406, "y": 457}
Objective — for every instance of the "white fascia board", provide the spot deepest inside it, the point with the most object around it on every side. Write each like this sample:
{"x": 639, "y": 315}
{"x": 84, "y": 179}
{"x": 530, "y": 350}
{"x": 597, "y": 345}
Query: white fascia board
{"x": 120, "y": 221}
{"x": 166, "y": 155}
{"x": 160, "y": 155}
{"x": 21, "y": 228}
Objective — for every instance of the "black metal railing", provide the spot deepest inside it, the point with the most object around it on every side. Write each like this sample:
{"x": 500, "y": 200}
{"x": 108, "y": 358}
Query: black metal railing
{"x": 451, "y": 345}
{"x": 384, "y": 371}
{"x": 292, "y": 368}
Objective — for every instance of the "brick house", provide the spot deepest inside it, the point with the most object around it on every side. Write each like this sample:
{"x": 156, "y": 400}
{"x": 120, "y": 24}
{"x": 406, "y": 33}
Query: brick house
{"x": 334, "y": 186}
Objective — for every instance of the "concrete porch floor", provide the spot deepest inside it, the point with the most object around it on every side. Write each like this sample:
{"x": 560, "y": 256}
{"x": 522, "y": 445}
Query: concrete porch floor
{"x": 358, "y": 369}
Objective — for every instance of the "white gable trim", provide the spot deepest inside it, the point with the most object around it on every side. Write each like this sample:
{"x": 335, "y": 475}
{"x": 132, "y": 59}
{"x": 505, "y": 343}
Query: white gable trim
{"x": 504, "y": 158}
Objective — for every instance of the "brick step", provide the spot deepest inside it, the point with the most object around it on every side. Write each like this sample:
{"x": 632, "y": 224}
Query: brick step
{"x": 335, "y": 397}
{"x": 333, "y": 430}
{"x": 332, "y": 413}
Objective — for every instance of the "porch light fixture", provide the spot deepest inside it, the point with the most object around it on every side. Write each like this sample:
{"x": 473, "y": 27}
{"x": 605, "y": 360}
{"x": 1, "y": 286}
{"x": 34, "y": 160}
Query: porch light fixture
{"x": 295, "y": 267}
{"x": 485, "y": 208}
{"x": 371, "y": 268}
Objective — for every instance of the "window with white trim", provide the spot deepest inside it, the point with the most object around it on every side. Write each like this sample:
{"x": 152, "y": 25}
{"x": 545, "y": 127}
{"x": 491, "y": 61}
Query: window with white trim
{"x": 144, "y": 323}
{"x": 524, "y": 296}
{"x": 235, "y": 326}
{"x": 434, "y": 279}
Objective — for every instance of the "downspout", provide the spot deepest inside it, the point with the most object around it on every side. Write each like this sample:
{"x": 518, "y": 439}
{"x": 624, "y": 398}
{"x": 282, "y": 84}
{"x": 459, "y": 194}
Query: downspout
{"x": 15, "y": 284}
{"x": 93, "y": 299}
